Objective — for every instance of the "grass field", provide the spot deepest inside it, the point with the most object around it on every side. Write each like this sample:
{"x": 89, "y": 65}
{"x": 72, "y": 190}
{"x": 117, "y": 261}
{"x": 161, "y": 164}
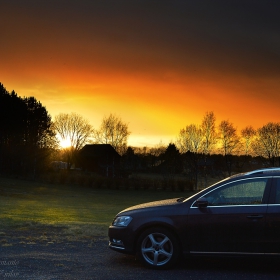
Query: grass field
{"x": 79, "y": 211}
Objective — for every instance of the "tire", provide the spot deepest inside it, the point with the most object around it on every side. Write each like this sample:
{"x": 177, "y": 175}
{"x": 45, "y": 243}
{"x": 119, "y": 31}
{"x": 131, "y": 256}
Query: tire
{"x": 158, "y": 248}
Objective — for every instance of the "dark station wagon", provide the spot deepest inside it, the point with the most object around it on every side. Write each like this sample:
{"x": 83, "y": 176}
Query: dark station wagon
{"x": 236, "y": 216}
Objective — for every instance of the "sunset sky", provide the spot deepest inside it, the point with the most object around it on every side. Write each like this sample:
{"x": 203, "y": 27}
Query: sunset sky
{"x": 159, "y": 65}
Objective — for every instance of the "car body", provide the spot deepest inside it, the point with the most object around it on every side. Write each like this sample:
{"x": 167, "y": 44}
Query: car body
{"x": 239, "y": 215}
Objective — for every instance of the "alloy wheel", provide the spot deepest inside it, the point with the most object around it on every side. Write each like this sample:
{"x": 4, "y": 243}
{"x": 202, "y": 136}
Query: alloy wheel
{"x": 157, "y": 249}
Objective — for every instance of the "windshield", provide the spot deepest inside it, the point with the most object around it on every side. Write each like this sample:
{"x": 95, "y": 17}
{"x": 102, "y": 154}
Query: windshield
{"x": 190, "y": 197}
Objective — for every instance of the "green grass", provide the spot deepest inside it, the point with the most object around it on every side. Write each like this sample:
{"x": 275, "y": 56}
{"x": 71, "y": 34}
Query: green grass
{"x": 81, "y": 211}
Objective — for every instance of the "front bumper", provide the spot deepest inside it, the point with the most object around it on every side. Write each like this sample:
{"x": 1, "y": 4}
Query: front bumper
{"x": 121, "y": 239}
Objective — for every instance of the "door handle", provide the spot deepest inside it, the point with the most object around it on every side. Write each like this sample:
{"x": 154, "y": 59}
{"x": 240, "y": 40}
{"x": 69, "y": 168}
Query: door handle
{"x": 255, "y": 216}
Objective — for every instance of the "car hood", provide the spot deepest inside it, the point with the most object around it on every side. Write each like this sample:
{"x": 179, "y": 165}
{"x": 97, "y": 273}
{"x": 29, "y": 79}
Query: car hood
{"x": 153, "y": 204}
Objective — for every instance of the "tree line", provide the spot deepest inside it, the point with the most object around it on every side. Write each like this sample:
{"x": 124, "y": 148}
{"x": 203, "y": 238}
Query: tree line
{"x": 30, "y": 139}
{"x": 238, "y": 149}
{"x": 224, "y": 139}
{"x": 25, "y": 132}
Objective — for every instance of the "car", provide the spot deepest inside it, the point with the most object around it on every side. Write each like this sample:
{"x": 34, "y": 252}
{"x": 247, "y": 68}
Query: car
{"x": 238, "y": 216}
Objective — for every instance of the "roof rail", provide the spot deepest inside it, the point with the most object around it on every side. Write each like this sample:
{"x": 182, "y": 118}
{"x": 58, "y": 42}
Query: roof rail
{"x": 263, "y": 170}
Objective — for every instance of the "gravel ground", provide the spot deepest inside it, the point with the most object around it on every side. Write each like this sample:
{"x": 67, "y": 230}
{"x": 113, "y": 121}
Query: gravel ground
{"x": 92, "y": 259}
{"x": 69, "y": 260}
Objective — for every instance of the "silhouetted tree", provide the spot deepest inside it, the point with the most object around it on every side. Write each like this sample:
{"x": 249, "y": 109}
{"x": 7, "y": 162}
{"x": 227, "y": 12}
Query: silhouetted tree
{"x": 74, "y": 128}
{"x": 38, "y": 135}
{"x": 37, "y": 123}
{"x": 171, "y": 164}
{"x": 190, "y": 141}
{"x": 113, "y": 131}
{"x": 155, "y": 155}
{"x": 130, "y": 162}
{"x": 229, "y": 142}
{"x": 24, "y": 130}
{"x": 267, "y": 142}
{"x": 208, "y": 128}
{"x": 248, "y": 135}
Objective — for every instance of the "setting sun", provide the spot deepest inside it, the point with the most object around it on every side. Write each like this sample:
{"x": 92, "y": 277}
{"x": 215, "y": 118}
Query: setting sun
{"x": 64, "y": 143}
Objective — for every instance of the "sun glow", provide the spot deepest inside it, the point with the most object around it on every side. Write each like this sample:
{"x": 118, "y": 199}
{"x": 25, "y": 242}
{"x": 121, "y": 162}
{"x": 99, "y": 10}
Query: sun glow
{"x": 64, "y": 142}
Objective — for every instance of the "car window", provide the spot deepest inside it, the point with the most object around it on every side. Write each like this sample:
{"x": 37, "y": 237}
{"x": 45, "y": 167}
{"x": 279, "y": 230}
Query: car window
{"x": 244, "y": 192}
{"x": 277, "y": 195}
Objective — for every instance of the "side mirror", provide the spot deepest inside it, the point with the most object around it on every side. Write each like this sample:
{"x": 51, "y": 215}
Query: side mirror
{"x": 202, "y": 202}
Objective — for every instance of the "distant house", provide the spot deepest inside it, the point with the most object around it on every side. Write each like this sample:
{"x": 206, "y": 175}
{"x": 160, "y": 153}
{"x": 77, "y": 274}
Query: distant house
{"x": 57, "y": 165}
{"x": 99, "y": 158}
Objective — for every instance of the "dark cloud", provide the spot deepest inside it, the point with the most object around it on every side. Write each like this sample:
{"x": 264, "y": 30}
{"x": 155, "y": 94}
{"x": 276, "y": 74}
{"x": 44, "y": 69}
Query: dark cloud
{"x": 225, "y": 36}
{"x": 171, "y": 59}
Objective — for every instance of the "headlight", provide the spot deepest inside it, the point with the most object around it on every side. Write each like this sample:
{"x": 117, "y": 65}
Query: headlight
{"x": 122, "y": 221}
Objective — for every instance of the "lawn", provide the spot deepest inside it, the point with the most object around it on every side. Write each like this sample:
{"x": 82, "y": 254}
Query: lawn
{"x": 80, "y": 211}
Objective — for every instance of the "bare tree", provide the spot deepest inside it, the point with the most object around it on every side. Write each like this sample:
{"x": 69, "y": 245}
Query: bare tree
{"x": 74, "y": 128}
{"x": 229, "y": 141}
{"x": 113, "y": 131}
{"x": 247, "y": 137}
{"x": 190, "y": 139}
{"x": 208, "y": 128}
{"x": 158, "y": 149}
{"x": 201, "y": 138}
{"x": 190, "y": 142}
{"x": 267, "y": 143}
{"x": 155, "y": 154}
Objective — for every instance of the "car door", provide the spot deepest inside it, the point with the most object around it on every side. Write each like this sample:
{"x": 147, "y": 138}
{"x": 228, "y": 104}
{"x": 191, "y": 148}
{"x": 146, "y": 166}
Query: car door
{"x": 234, "y": 219}
{"x": 273, "y": 219}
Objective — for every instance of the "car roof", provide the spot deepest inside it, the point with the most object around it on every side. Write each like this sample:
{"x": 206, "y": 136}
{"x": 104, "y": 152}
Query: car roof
{"x": 264, "y": 172}
{"x": 273, "y": 171}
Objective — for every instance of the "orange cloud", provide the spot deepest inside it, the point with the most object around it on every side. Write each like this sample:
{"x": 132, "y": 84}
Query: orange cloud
{"x": 159, "y": 68}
